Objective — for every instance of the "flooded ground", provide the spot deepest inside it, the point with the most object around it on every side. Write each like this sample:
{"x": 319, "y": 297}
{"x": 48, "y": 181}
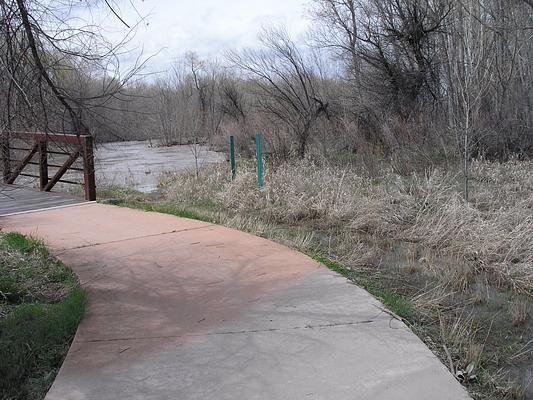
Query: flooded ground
{"x": 137, "y": 165}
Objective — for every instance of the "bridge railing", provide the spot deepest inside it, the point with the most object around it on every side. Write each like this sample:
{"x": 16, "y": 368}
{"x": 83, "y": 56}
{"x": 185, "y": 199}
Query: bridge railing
{"x": 68, "y": 147}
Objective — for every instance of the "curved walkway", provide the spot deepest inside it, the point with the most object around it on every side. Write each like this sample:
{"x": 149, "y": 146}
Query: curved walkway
{"x": 182, "y": 309}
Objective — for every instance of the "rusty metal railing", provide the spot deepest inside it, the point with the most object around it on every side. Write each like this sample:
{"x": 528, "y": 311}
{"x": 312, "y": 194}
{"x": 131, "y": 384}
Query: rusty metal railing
{"x": 43, "y": 145}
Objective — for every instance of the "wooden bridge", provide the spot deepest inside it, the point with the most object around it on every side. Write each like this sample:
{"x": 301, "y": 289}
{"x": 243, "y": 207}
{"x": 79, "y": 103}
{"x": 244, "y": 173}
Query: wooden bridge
{"x": 45, "y": 158}
{"x": 15, "y": 199}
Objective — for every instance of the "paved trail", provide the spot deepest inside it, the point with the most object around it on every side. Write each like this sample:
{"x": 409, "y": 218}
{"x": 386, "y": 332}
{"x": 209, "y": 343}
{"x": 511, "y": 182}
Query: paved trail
{"x": 182, "y": 309}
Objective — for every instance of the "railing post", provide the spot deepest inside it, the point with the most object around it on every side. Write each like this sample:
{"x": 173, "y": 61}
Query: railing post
{"x": 88, "y": 168}
{"x": 232, "y": 157}
{"x": 259, "y": 155}
{"x": 43, "y": 163}
{"x": 6, "y": 156}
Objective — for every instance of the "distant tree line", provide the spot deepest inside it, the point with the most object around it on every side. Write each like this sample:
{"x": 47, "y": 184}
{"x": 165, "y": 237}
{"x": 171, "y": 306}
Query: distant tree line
{"x": 406, "y": 80}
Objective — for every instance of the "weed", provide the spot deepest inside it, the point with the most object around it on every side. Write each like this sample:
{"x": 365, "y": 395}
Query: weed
{"x": 518, "y": 392}
{"x": 518, "y": 311}
{"x": 21, "y": 243}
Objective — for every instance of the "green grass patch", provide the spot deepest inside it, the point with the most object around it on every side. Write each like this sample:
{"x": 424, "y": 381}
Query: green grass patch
{"x": 41, "y": 305}
{"x": 164, "y": 209}
{"x": 28, "y": 273}
{"x": 21, "y": 243}
{"x": 395, "y": 302}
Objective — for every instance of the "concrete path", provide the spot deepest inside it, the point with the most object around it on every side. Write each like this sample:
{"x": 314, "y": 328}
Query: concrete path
{"x": 181, "y": 309}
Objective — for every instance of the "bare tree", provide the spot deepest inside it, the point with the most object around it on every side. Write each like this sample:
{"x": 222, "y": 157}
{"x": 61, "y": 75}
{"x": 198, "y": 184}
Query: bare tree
{"x": 168, "y": 108}
{"x": 470, "y": 53}
{"x": 286, "y": 85}
{"x": 41, "y": 44}
{"x": 393, "y": 41}
{"x": 337, "y": 30}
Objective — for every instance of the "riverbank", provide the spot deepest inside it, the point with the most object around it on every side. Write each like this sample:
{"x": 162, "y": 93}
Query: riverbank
{"x": 463, "y": 271}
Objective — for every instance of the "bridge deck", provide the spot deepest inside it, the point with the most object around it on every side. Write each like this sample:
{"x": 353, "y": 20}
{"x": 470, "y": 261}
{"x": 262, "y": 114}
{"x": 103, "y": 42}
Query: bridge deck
{"x": 16, "y": 199}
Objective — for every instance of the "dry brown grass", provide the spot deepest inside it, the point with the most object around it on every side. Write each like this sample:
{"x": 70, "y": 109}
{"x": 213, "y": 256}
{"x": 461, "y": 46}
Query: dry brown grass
{"x": 518, "y": 311}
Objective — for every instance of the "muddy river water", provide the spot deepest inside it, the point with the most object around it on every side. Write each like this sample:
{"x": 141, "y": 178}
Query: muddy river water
{"x": 138, "y": 165}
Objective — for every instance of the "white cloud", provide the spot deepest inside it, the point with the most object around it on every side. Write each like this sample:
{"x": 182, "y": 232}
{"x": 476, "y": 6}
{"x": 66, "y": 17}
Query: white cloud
{"x": 209, "y": 27}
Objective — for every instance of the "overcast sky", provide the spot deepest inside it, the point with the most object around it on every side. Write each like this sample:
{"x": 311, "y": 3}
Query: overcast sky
{"x": 209, "y": 27}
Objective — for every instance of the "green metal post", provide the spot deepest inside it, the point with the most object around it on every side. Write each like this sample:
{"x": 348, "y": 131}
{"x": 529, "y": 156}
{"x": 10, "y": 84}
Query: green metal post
{"x": 232, "y": 157}
{"x": 259, "y": 155}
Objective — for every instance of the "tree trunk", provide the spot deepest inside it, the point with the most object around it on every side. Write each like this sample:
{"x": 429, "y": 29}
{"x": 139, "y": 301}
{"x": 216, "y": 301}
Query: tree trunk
{"x": 302, "y": 146}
